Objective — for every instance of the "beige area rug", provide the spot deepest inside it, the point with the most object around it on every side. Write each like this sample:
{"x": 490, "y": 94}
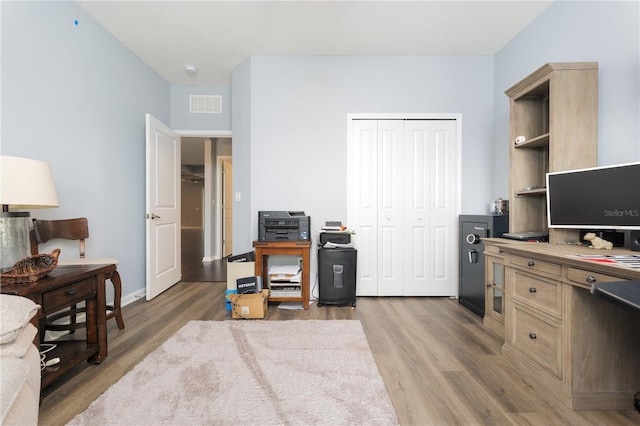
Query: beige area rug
{"x": 251, "y": 373}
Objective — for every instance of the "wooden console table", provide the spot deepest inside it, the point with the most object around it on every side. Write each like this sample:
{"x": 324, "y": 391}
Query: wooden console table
{"x": 285, "y": 248}
{"x": 63, "y": 287}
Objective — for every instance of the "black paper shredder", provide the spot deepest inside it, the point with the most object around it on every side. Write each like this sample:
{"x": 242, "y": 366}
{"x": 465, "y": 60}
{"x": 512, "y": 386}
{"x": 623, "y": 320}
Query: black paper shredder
{"x": 337, "y": 276}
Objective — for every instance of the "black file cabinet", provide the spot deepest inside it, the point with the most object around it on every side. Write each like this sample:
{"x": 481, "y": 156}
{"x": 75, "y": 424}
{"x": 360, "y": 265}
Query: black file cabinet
{"x": 337, "y": 276}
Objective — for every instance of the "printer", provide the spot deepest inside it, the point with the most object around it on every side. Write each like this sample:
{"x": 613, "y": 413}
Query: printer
{"x": 283, "y": 226}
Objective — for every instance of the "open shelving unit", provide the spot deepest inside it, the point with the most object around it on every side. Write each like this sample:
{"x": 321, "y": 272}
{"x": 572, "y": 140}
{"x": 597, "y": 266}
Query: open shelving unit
{"x": 555, "y": 108}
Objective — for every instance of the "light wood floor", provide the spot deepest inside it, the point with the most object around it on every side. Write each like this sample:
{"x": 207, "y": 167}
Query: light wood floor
{"x": 439, "y": 364}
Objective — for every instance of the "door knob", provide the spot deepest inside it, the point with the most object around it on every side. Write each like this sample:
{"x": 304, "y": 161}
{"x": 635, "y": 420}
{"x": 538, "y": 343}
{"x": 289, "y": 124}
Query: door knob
{"x": 152, "y": 216}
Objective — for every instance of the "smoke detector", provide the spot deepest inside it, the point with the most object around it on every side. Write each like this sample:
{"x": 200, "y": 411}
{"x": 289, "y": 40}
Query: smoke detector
{"x": 190, "y": 69}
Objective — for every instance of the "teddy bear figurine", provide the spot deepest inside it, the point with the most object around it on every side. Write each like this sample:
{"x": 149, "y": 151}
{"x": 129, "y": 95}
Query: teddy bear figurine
{"x": 597, "y": 242}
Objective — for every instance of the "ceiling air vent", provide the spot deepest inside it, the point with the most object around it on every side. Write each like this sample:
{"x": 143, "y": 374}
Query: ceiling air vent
{"x": 205, "y": 103}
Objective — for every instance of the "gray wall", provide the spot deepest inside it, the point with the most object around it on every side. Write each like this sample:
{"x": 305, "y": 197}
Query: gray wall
{"x": 297, "y": 132}
{"x": 295, "y": 124}
{"x": 182, "y": 119}
{"x": 605, "y": 32}
{"x": 75, "y": 97}
{"x": 242, "y": 156}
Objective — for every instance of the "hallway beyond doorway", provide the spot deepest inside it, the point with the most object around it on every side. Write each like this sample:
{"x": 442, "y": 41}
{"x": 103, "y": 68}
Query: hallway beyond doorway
{"x": 193, "y": 269}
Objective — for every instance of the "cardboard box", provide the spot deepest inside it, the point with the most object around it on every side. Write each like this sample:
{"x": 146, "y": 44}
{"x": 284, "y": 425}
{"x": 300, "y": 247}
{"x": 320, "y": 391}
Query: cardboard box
{"x": 237, "y": 270}
{"x": 250, "y": 305}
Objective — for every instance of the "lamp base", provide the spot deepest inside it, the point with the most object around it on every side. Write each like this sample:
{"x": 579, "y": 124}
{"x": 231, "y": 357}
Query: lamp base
{"x": 14, "y": 238}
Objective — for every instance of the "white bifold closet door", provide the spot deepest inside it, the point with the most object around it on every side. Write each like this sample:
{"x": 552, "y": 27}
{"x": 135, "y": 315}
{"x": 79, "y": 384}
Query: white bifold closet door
{"x": 402, "y": 206}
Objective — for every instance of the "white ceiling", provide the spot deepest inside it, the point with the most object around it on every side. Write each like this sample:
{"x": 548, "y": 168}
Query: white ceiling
{"x": 216, "y": 36}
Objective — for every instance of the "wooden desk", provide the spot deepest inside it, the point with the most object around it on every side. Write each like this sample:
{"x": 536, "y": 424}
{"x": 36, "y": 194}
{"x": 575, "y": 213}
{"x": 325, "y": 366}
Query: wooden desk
{"x": 286, "y": 248}
{"x": 63, "y": 287}
{"x": 566, "y": 341}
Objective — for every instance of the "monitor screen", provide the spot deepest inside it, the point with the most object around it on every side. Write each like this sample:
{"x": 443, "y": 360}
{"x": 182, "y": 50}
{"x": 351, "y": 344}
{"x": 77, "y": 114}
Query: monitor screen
{"x": 596, "y": 198}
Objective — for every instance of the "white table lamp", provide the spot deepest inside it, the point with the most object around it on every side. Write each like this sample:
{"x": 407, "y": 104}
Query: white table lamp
{"x": 25, "y": 184}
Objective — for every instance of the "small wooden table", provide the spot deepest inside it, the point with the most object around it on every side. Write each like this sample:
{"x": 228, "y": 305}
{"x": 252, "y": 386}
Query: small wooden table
{"x": 63, "y": 287}
{"x": 286, "y": 248}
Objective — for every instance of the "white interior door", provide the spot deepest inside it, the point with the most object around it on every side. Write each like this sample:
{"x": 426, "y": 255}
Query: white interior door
{"x": 163, "y": 253}
{"x": 390, "y": 206}
{"x": 430, "y": 211}
{"x": 363, "y": 202}
{"x": 403, "y": 206}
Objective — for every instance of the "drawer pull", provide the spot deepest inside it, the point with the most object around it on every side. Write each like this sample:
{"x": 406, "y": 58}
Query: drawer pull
{"x": 532, "y": 336}
{"x": 591, "y": 279}
{"x": 532, "y": 290}
{"x": 72, "y": 292}
{"x": 531, "y": 263}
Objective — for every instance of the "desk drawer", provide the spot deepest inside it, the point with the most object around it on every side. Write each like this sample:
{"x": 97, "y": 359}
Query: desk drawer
{"x": 538, "y": 293}
{"x": 540, "y": 339}
{"x": 493, "y": 249}
{"x": 67, "y": 295}
{"x": 537, "y": 265}
{"x": 587, "y": 278}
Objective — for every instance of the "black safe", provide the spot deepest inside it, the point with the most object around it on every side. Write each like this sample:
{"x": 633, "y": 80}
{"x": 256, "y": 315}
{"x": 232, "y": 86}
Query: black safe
{"x": 471, "y": 280}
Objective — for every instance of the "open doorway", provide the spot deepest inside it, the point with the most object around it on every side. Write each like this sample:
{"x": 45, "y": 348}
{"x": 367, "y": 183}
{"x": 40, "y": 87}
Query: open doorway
{"x": 204, "y": 208}
{"x": 192, "y": 202}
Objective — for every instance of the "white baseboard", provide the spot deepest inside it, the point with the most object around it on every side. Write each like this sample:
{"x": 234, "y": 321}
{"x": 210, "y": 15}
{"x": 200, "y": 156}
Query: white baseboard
{"x": 130, "y": 298}
{"x": 210, "y": 259}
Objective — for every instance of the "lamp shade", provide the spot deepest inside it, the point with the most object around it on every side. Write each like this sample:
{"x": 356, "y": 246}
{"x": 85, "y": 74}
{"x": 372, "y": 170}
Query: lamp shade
{"x": 26, "y": 183}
